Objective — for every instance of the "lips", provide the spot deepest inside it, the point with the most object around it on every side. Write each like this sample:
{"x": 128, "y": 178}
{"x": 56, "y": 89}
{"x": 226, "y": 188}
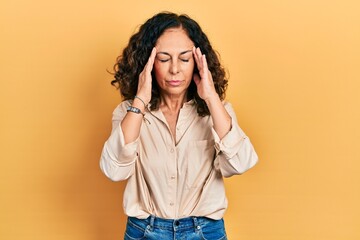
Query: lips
{"x": 174, "y": 83}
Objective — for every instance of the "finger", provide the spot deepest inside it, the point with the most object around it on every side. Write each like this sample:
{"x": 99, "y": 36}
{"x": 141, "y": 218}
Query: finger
{"x": 196, "y": 79}
{"x": 150, "y": 63}
{"x": 205, "y": 65}
{"x": 196, "y": 57}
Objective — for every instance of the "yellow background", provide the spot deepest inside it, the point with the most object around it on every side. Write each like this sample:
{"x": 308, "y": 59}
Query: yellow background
{"x": 294, "y": 83}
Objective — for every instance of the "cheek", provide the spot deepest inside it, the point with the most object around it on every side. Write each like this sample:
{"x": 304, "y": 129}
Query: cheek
{"x": 158, "y": 71}
{"x": 189, "y": 70}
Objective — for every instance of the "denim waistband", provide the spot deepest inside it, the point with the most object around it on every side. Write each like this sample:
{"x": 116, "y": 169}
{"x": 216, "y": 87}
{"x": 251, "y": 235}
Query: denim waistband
{"x": 170, "y": 224}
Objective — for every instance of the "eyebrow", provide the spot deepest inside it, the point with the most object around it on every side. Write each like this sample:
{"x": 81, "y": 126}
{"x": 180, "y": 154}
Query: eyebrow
{"x": 168, "y": 54}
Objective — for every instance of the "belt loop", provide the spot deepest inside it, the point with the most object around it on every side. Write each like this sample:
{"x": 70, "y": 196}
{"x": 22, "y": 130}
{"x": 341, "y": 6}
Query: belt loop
{"x": 152, "y": 219}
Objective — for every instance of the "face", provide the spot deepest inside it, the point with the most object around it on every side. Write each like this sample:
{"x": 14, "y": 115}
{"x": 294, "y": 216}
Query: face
{"x": 174, "y": 62}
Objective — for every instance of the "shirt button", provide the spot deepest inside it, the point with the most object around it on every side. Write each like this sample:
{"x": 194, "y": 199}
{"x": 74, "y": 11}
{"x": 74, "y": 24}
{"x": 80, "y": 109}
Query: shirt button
{"x": 172, "y": 177}
{"x": 171, "y": 150}
{"x": 171, "y": 204}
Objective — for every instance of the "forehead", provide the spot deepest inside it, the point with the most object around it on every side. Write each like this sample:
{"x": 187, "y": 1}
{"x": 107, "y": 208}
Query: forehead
{"x": 174, "y": 40}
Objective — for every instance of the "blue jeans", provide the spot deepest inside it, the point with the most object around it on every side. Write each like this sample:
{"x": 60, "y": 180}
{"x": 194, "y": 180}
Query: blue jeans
{"x": 191, "y": 228}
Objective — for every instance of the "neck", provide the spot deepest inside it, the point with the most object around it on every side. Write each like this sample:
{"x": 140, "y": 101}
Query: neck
{"x": 172, "y": 103}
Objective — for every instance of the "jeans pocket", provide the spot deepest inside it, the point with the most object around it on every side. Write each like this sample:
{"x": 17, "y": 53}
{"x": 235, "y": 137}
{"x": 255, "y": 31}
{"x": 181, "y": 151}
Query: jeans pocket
{"x": 134, "y": 231}
{"x": 213, "y": 230}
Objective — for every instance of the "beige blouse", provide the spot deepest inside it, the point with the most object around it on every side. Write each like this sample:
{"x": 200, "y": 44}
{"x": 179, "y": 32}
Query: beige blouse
{"x": 176, "y": 179}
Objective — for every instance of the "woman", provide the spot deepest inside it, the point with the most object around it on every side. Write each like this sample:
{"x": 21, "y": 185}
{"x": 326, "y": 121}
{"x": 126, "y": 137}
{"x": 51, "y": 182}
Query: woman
{"x": 173, "y": 136}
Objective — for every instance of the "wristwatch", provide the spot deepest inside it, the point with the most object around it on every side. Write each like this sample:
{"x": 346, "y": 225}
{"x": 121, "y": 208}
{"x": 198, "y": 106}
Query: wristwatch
{"x": 134, "y": 110}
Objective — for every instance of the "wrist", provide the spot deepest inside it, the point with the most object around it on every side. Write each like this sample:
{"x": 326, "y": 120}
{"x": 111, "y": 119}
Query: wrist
{"x": 214, "y": 98}
{"x": 134, "y": 110}
{"x": 138, "y": 104}
{"x": 142, "y": 100}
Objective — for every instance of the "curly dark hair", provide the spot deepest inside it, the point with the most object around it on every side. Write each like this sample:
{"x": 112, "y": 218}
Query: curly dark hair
{"x": 135, "y": 55}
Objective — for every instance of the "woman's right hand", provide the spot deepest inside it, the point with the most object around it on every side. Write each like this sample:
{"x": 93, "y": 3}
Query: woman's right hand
{"x": 145, "y": 79}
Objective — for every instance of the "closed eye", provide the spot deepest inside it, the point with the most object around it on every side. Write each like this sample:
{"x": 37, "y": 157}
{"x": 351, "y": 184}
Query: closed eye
{"x": 185, "y": 60}
{"x": 164, "y": 60}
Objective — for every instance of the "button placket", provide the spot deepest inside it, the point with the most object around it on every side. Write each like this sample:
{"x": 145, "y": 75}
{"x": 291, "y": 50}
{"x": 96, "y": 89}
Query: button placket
{"x": 172, "y": 174}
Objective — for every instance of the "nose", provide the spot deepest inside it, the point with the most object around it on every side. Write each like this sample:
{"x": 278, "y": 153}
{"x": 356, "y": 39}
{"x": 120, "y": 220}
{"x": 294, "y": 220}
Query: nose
{"x": 174, "y": 68}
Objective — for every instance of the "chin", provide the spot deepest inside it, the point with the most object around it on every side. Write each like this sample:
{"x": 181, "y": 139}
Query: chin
{"x": 175, "y": 91}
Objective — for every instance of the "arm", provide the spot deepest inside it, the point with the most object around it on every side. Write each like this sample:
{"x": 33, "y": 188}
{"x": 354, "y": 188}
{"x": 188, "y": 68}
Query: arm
{"x": 132, "y": 121}
{"x": 118, "y": 158}
{"x": 235, "y": 153}
{"x": 206, "y": 90}
{"x": 120, "y": 150}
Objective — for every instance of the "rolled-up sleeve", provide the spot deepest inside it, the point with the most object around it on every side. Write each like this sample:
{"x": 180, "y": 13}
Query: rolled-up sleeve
{"x": 117, "y": 160}
{"x": 234, "y": 152}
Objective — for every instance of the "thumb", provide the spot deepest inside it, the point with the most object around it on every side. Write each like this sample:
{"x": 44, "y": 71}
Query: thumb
{"x": 196, "y": 78}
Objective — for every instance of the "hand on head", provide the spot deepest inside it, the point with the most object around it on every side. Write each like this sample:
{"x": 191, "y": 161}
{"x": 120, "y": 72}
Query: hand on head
{"x": 203, "y": 80}
{"x": 145, "y": 79}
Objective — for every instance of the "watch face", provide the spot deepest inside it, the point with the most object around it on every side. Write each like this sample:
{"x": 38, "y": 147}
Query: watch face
{"x": 133, "y": 109}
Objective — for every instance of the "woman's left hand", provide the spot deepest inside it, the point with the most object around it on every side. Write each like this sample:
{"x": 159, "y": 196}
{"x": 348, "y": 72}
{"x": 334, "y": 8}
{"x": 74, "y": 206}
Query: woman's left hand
{"x": 203, "y": 80}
